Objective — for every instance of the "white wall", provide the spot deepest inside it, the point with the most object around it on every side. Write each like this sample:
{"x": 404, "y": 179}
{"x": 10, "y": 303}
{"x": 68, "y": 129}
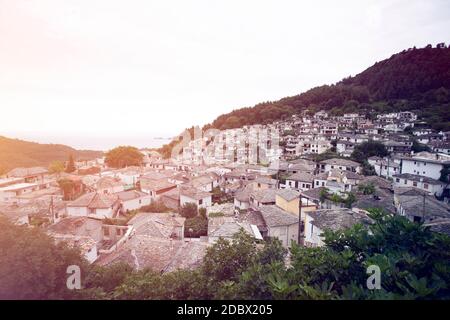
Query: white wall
{"x": 422, "y": 168}
{"x": 135, "y": 204}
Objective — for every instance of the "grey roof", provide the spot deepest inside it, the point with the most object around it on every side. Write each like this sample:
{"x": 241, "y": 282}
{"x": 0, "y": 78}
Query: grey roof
{"x": 341, "y": 162}
{"x": 264, "y": 196}
{"x": 301, "y": 176}
{"x": 414, "y": 201}
{"x": 130, "y": 195}
{"x": 26, "y": 172}
{"x": 440, "y": 226}
{"x": 418, "y": 178}
{"x": 275, "y": 217}
{"x": 337, "y": 219}
{"x": 288, "y": 194}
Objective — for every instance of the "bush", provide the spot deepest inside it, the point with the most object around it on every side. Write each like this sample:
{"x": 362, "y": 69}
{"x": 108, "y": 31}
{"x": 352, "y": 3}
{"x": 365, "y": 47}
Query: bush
{"x": 196, "y": 227}
{"x": 189, "y": 210}
{"x": 156, "y": 207}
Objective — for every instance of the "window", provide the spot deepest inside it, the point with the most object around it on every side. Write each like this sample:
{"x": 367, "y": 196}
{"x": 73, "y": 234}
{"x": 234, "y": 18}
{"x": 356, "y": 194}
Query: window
{"x": 118, "y": 232}
{"x": 106, "y": 232}
{"x": 397, "y": 180}
{"x": 406, "y": 182}
{"x": 425, "y": 185}
{"x": 415, "y": 184}
{"x": 200, "y": 202}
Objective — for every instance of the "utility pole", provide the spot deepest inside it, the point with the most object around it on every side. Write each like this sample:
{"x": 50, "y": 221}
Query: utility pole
{"x": 300, "y": 229}
{"x": 423, "y": 208}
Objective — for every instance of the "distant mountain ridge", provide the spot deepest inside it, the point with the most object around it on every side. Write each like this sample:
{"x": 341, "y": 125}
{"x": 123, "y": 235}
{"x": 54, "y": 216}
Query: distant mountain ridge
{"x": 16, "y": 153}
{"x": 414, "y": 79}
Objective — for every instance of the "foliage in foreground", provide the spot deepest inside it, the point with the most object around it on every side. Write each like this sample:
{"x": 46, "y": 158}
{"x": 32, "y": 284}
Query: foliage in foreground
{"x": 414, "y": 263}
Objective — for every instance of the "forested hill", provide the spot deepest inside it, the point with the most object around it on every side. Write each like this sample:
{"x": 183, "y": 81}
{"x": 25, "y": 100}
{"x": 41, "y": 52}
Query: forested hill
{"x": 18, "y": 153}
{"x": 414, "y": 79}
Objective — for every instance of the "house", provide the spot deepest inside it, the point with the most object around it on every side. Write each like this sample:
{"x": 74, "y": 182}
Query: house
{"x": 171, "y": 199}
{"x": 12, "y": 192}
{"x": 425, "y": 164}
{"x": 419, "y": 206}
{"x": 385, "y": 167}
{"x": 85, "y": 244}
{"x": 441, "y": 147}
{"x": 341, "y": 164}
{"x": 30, "y": 175}
{"x": 156, "y": 188}
{"x": 263, "y": 183}
{"x": 242, "y": 198}
{"x": 109, "y": 185}
{"x": 158, "y": 225}
{"x": 91, "y": 235}
{"x": 300, "y": 181}
{"x": 316, "y": 222}
{"x": 288, "y": 200}
{"x": 133, "y": 199}
{"x": 161, "y": 255}
{"x": 432, "y": 186}
{"x": 200, "y": 198}
{"x": 260, "y": 198}
{"x": 94, "y": 204}
{"x": 227, "y": 227}
{"x": 280, "y": 224}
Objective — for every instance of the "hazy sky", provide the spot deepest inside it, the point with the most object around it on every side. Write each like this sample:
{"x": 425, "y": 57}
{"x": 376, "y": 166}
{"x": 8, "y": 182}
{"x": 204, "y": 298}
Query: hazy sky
{"x": 79, "y": 71}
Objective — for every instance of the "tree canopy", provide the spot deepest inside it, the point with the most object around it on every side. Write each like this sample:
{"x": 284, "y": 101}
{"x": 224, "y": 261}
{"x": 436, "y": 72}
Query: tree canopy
{"x": 124, "y": 156}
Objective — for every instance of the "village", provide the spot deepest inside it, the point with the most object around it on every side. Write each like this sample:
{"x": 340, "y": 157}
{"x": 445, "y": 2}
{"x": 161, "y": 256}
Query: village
{"x": 291, "y": 180}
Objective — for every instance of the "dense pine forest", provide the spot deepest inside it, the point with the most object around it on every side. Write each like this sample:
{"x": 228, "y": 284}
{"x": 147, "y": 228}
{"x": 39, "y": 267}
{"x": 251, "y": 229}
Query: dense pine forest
{"x": 414, "y": 79}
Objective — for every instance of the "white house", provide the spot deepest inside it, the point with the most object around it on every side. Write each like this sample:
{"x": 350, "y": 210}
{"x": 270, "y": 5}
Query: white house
{"x": 432, "y": 186}
{"x": 96, "y": 205}
{"x": 316, "y": 222}
{"x": 425, "y": 164}
{"x": 133, "y": 200}
{"x": 200, "y": 198}
{"x": 341, "y": 164}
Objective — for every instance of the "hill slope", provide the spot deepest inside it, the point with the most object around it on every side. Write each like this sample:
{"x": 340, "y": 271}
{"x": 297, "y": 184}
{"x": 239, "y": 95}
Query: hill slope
{"x": 414, "y": 79}
{"x": 18, "y": 153}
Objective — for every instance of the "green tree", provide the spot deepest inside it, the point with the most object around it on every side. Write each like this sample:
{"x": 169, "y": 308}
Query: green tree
{"x": 68, "y": 188}
{"x": 32, "y": 266}
{"x": 56, "y": 167}
{"x": 366, "y": 189}
{"x": 124, "y": 156}
{"x": 71, "y": 165}
{"x": 369, "y": 149}
{"x": 189, "y": 210}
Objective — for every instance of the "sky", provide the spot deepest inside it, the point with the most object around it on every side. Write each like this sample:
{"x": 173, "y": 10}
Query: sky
{"x": 95, "y": 74}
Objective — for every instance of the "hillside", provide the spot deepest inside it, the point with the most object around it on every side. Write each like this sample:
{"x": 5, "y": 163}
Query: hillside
{"x": 414, "y": 79}
{"x": 18, "y": 153}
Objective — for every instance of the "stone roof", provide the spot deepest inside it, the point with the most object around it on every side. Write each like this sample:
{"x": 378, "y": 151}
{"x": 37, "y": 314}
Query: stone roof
{"x": 74, "y": 225}
{"x": 157, "y": 225}
{"x": 95, "y": 200}
{"x": 26, "y": 172}
{"x": 301, "y": 176}
{"x": 341, "y": 162}
{"x": 414, "y": 201}
{"x": 337, "y": 219}
{"x": 440, "y": 226}
{"x": 108, "y": 182}
{"x": 264, "y": 196}
{"x": 157, "y": 254}
{"x": 418, "y": 178}
{"x": 194, "y": 193}
{"x": 130, "y": 195}
{"x": 274, "y": 216}
{"x": 288, "y": 194}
